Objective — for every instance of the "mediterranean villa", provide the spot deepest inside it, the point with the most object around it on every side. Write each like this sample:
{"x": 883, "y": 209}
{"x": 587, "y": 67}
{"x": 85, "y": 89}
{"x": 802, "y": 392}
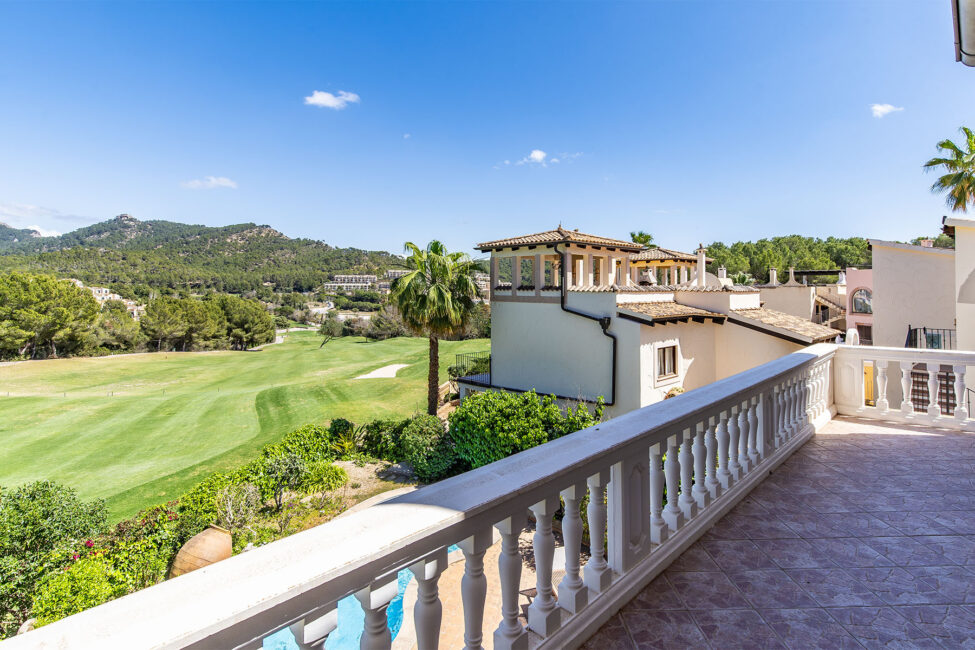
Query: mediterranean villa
{"x": 582, "y": 316}
{"x": 802, "y": 493}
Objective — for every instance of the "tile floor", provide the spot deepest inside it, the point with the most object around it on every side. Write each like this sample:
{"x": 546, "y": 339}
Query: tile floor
{"x": 865, "y": 538}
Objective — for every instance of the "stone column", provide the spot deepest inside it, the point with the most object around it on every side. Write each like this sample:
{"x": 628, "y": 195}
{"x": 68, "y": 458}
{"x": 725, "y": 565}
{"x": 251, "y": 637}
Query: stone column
{"x": 539, "y": 270}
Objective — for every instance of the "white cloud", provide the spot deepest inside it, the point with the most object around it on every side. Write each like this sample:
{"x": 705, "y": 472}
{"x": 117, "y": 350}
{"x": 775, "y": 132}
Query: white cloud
{"x": 44, "y": 232}
{"x": 542, "y": 159}
{"x": 880, "y": 110}
{"x": 407, "y": 136}
{"x": 210, "y": 183}
{"x": 21, "y": 214}
{"x": 337, "y": 102}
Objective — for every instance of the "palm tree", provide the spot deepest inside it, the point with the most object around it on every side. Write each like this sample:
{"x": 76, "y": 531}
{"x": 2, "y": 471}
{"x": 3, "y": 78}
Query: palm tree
{"x": 959, "y": 181}
{"x": 436, "y": 299}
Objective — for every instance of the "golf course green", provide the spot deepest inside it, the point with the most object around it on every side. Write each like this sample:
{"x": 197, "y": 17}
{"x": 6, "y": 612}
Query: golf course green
{"x": 140, "y": 429}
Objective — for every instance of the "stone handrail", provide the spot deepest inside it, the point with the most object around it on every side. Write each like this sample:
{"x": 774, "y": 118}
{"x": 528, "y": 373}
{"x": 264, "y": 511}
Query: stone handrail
{"x": 719, "y": 441}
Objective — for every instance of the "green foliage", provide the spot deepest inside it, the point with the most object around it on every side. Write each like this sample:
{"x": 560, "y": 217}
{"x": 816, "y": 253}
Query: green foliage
{"x": 643, "y": 238}
{"x": 163, "y": 254}
{"x": 237, "y": 505}
{"x": 312, "y": 442}
{"x": 755, "y": 258}
{"x": 39, "y": 523}
{"x": 198, "y": 508}
{"x": 941, "y": 241}
{"x": 742, "y": 278}
{"x": 279, "y": 473}
{"x": 428, "y": 448}
{"x": 324, "y": 478}
{"x": 347, "y": 441}
{"x": 43, "y": 316}
{"x": 492, "y": 425}
{"x": 381, "y": 439}
{"x": 958, "y": 181}
{"x": 331, "y": 328}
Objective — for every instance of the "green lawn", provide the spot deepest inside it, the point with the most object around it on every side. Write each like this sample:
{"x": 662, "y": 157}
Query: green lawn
{"x": 173, "y": 418}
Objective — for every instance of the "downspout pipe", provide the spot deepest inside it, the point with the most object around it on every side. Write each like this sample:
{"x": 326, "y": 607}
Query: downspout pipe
{"x": 604, "y": 321}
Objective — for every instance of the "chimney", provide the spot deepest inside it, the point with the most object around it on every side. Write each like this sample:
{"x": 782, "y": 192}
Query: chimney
{"x": 722, "y": 272}
{"x": 701, "y": 261}
{"x": 773, "y": 276}
{"x": 792, "y": 275}
{"x": 927, "y": 243}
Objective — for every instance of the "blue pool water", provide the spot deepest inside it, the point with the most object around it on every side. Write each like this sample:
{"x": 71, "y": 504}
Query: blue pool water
{"x": 351, "y": 620}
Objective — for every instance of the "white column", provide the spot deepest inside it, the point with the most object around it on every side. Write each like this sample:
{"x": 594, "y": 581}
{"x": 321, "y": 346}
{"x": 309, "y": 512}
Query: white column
{"x": 688, "y": 504}
{"x": 510, "y": 635}
{"x": 734, "y": 433}
{"x": 721, "y": 435}
{"x": 658, "y": 526}
{"x": 473, "y": 587}
{"x": 882, "y": 403}
{"x": 588, "y": 272}
{"x": 743, "y": 435}
{"x": 494, "y": 273}
{"x": 428, "y": 612}
{"x": 672, "y": 514}
{"x": 597, "y": 575}
{"x": 627, "y": 275}
{"x": 567, "y": 265}
{"x": 701, "y": 494}
{"x": 539, "y": 270}
{"x": 907, "y": 407}
{"x": 374, "y": 600}
{"x": 543, "y": 614}
{"x": 753, "y": 455}
{"x": 961, "y": 410}
{"x": 934, "y": 410}
{"x": 311, "y": 635}
{"x": 573, "y": 595}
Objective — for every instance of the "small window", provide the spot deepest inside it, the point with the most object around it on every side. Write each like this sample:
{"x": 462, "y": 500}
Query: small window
{"x": 862, "y": 301}
{"x": 666, "y": 361}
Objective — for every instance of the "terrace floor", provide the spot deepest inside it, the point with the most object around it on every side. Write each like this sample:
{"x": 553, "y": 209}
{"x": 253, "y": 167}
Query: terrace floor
{"x": 865, "y": 537}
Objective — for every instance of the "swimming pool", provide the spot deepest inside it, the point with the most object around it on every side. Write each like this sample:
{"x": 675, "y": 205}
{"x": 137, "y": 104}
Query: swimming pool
{"x": 351, "y": 620}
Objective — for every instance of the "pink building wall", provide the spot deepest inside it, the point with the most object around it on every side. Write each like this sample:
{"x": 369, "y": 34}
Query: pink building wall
{"x": 857, "y": 279}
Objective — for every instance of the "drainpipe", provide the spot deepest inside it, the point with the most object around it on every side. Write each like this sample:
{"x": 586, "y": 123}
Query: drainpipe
{"x": 604, "y": 321}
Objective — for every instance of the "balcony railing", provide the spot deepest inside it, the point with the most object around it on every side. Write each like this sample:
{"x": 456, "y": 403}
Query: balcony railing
{"x": 928, "y": 338}
{"x": 474, "y": 365}
{"x": 656, "y": 479}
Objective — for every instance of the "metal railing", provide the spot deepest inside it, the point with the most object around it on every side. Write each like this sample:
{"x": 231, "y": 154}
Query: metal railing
{"x": 470, "y": 364}
{"x": 928, "y": 338}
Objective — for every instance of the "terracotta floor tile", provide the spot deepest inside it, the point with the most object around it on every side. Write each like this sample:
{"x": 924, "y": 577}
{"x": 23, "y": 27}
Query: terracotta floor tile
{"x": 881, "y": 627}
{"x": 811, "y": 628}
{"x": 731, "y": 629}
{"x": 670, "y": 630}
{"x": 704, "y": 590}
{"x": 771, "y": 588}
{"x": 834, "y": 587}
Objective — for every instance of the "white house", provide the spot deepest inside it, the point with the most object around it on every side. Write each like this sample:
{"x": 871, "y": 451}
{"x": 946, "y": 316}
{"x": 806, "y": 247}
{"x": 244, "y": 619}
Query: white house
{"x": 570, "y": 318}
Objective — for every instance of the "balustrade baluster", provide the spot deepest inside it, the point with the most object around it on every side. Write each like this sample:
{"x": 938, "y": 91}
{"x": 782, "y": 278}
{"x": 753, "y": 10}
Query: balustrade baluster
{"x": 805, "y": 403}
{"x": 573, "y": 595}
{"x": 778, "y": 427}
{"x": 473, "y": 586}
{"x": 597, "y": 574}
{"x": 672, "y": 470}
{"x": 743, "y": 428}
{"x": 312, "y": 635}
{"x": 374, "y": 600}
{"x": 543, "y": 614}
{"x": 428, "y": 611}
{"x": 510, "y": 635}
{"x": 792, "y": 406}
{"x": 687, "y": 502}
{"x": 734, "y": 434}
{"x": 700, "y": 491}
{"x": 961, "y": 410}
{"x": 724, "y": 476}
{"x": 822, "y": 383}
{"x": 882, "y": 404}
{"x": 711, "y": 481}
{"x": 934, "y": 409}
{"x": 658, "y": 526}
{"x": 907, "y": 406}
{"x": 753, "y": 454}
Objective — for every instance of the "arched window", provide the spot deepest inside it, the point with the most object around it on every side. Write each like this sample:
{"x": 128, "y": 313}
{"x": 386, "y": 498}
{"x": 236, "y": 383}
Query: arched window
{"x": 862, "y": 301}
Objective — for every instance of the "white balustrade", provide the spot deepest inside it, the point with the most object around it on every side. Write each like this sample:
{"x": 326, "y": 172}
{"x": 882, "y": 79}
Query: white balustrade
{"x": 961, "y": 391}
{"x": 882, "y": 404}
{"x": 934, "y": 410}
{"x": 907, "y": 406}
{"x": 709, "y": 448}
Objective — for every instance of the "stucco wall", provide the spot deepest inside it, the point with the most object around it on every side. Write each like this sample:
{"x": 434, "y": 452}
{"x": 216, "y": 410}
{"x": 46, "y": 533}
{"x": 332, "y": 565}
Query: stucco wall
{"x": 739, "y": 348}
{"x": 695, "y": 343}
{"x": 965, "y": 283}
{"x": 798, "y": 301}
{"x": 912, "y": 286}
{"x": 858, "y": 279}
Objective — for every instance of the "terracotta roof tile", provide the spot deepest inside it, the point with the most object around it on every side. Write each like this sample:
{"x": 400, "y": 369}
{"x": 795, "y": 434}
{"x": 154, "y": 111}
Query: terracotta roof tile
{"x": 665, "y": 254}
{"x": 618, "y": 288}
{"x": 668, "y": 310}
{"x": 801, "y": 327}
{"x": 558, "y": 236}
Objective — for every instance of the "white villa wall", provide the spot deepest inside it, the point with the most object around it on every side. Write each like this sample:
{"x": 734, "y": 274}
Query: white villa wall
{"x": 912, "y": 286}
{"x": 695, "y": 349}
{"x": 739, "y": 348}
{"x": 798, "y": 301}
{"x": 720, "y": 301}
{"x": 964, "y": 281}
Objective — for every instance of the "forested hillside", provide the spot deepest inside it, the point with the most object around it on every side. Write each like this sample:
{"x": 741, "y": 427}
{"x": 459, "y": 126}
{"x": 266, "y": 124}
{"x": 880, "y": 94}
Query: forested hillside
{"x": 10, "y": 235}
{"x": 755, "y": 258}
{"x": 162, "y": 254}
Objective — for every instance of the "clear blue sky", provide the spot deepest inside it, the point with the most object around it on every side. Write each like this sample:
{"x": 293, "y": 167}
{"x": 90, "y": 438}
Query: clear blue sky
{"x": 696, "y": 121}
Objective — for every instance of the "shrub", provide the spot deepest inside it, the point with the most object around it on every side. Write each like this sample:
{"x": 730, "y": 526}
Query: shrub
{"x": 198, "y": 508}
{"x": 312, "y": 442}
{"x": 428, "y": 448}
{"x": 381, "y": 438}
{"x": 279, "y": 474}
{"x": 493, "y": 425}
{"x": 237, "y": 505}
{"x": 347, "y": 442}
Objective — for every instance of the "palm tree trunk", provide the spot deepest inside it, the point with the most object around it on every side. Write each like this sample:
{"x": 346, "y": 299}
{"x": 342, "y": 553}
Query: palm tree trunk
{"x": 433, "y": 377}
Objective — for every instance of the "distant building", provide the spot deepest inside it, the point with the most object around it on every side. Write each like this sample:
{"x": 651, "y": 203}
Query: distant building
{"x": 392, "y": 274}
{"x": 348, "y": 283}
{"x": 103, "y": 295}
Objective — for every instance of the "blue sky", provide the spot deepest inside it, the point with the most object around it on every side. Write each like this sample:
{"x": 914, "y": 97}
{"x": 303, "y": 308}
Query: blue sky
{"x": 696, "y": 121}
